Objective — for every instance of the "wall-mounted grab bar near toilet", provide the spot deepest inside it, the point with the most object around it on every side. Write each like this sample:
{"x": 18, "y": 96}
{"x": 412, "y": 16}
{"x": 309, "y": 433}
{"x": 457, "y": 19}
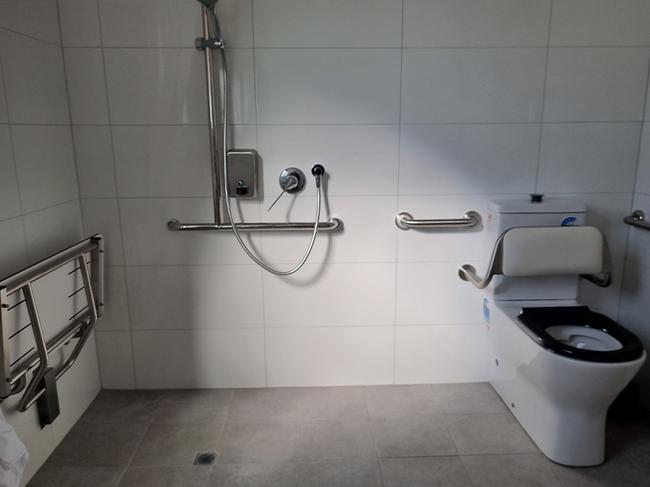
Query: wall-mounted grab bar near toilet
{"x": 405, "y": 221}
{"x": 637, "y": 219}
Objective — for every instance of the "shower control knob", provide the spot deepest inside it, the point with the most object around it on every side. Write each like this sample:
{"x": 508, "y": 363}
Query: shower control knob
{"x": 317, "y": 170}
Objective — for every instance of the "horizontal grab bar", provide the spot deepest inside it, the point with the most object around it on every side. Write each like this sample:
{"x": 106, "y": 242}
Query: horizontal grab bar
{"x": 405, "y": 221}
{"x": 332, "y": 225}
{"x": 637, "y": 219}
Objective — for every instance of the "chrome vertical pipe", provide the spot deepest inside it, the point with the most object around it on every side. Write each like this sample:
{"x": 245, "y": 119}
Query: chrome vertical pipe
{"x": 214, "y": 140}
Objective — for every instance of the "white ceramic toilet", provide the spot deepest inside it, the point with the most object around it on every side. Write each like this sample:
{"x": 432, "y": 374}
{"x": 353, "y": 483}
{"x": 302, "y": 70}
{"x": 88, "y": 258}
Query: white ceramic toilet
{"x": 556, "y": 364}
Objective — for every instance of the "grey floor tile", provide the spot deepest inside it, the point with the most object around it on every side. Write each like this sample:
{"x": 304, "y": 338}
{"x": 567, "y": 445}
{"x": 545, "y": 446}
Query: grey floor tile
{"x": 412, "y": 436}
{"x": 254, "y": 475}
{"x": 165, "y": 477}
{"x": 466, "y": 399}
{"x": 258, "y": 442}
{"x": 477, "y": 434}
{"x": 424, "y": 472}
{"x": 77, "y": 477}
{"x": 265, "y": 405}
{"x": 193, "y": 405}
{"x": 98, "y": 445}
{"x": 392, "y": 401}
{"x": 523, "y": 470}
{"x": 333, "y": 403}
{"x": 122, "y": 407}
{"x": 177, "y": 444}
{"x": 333, "y": 440}
{"x": 617, "y": 471}
{"x": 351, "y": 473}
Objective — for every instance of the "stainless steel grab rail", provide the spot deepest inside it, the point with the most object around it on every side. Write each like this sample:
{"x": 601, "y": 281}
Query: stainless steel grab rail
{"x": 405, "y": 221}
{"x": 332, "y": 225}
{"x": 637, "y": 219}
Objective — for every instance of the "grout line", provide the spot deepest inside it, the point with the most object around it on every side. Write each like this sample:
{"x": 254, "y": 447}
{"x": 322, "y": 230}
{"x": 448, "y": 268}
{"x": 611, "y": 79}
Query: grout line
{"x": 117, "y": 195}
{"x": 541, "y": 115}
{"x": 260, "y": 182}
{"x": 364, "y": 48}
{"x": 31, "y": 37}
{"x": 397, "y": 198}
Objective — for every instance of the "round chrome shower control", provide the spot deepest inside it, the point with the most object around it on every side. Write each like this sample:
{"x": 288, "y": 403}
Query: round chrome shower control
{"x": 292, "y": 180}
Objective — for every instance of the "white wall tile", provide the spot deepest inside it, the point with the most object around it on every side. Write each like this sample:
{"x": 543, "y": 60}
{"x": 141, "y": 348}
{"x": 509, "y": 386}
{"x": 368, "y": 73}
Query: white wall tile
{"x": 103, "y": 216}
{"x": 45, "y": 165}
{"x": 358, "y": 159}
{"x": 52, "y": 230}
{"x": 600, "y": 23}
{"x": 35, "y": 83}
{"x": 148, "y": 241}
{"x": 432, "y": 293}
{"x": 241, "y": 86}
{"x": 472, "y": 85}
{"x": 9, "y": 197}
{"x": 314, "y": 23}
{"x": 228, "y": 296}
{"x": 328, "y": 85}
{"x": 79, "y": 23}
{"x": 162, "y": 161}
{"x": 467, "y": 23}
{"x": 468, "y": 159}
{"x": 156, "y": 86}
{"x": 643, "y": 174}
{"x": 236, "y": 18}
{"x": 12, "y": 242}
{"x": 367, "y": 236}
{"x": 441, "y": 353}
{"x": 114, "y": 351}
{"x": 588, "y": 157}
{"x": 86, "y": 85}
{"x": 363, "y": 295}
{"x": 149, "y": 23}
{"x": 595, "y": 84}
{"x": 330, "y": 356}
{"x": 94, "y": 154}
{"x": 604, "y": 212}
{"x": 639, "y": 244}
{"x": 77, "y": 389}
{"x": 38, "y": 19}
{"x": 116, "y": 309}
{"x": 199, "y": 358}
{"x": 441, "y": 245}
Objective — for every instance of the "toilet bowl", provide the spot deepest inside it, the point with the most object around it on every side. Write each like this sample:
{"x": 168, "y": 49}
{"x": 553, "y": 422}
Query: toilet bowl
{"x": 556, "y": 364}
{"x": 560, "y": 393}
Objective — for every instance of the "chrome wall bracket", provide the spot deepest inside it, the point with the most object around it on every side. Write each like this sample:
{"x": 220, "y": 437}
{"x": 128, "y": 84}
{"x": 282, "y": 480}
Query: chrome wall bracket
{"x": 637, "y": 219}
{"x": 405, "y": 221}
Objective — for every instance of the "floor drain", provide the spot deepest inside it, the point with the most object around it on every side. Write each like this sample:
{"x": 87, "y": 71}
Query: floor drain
{"x": 205, "y": 458}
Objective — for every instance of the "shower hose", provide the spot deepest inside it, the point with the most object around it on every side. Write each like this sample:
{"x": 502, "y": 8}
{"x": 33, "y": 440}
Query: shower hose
{"x": 317, "y": 175}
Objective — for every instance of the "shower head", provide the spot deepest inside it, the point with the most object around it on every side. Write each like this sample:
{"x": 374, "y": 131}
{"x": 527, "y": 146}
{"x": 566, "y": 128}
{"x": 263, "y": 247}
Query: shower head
{"x": 208, "y": 3}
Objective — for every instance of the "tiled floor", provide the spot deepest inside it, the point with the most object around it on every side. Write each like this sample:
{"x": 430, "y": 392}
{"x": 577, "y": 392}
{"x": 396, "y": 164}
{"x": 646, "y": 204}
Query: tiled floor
{"x": 441, "y": 435}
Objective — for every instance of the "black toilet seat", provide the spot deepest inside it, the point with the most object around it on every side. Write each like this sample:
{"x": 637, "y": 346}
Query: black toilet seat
{"x": 535, "y": 321}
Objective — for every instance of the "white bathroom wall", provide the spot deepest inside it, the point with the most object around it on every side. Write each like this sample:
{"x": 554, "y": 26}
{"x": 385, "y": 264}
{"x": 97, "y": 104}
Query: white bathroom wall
{"x": 39, "y": 198}
{"x": 635, "y": 297}
{"x": 426, "y": 106}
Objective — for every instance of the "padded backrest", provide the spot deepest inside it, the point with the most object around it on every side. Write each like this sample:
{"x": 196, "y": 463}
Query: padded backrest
{"x": 548, "y": 251}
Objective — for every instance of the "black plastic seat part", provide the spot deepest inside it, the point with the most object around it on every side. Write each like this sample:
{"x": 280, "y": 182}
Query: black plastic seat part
{"x": 537, "y": 320}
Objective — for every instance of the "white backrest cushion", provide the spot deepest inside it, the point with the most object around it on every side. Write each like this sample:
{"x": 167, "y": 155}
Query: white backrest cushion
{"x": 548, "y": 251}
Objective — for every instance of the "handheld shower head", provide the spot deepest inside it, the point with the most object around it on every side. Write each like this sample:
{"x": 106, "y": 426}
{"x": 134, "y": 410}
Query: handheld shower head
{"x": 208, "y": 3}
